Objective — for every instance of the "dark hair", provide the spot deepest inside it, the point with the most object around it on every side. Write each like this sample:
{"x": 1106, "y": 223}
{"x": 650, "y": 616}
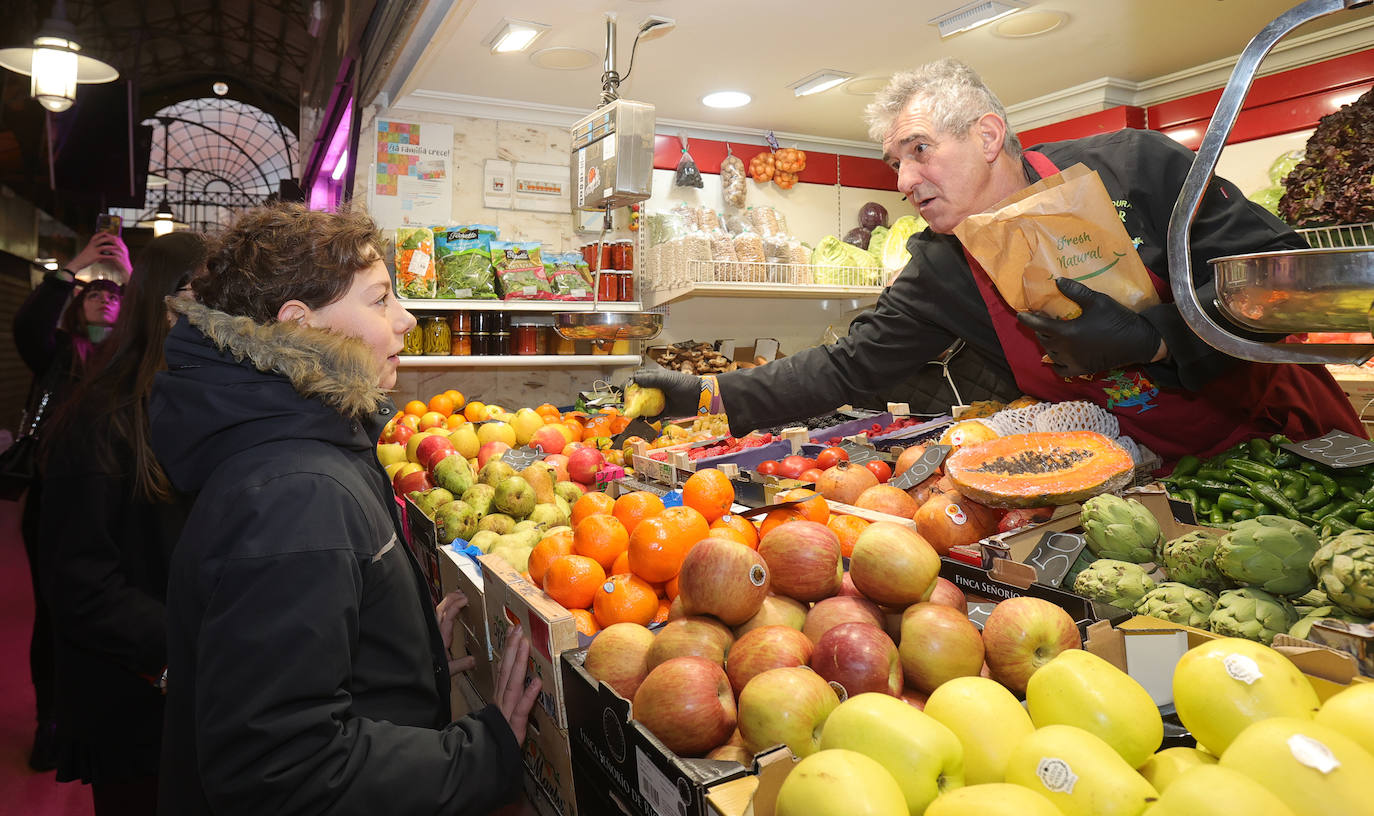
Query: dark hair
{"x": 271, "y": 255}
{"x": 74, "y": 323}
{"x": 114, "y": 393}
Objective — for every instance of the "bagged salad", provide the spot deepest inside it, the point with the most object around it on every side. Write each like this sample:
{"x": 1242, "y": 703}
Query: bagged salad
{"x": 565, "y": 279}
{"x": 415, "y": 276}
{"x": 462, "y": 260}
{"x": 519, "y": 268}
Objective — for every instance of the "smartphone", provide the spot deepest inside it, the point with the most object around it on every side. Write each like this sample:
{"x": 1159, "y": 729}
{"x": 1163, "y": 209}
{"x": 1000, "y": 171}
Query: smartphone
{"x": 107, "y": 222}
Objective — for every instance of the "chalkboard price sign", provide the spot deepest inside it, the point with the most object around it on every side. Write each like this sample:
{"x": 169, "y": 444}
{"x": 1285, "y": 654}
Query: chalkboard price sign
{"x": 1054, "y": 555}
{"x": 1336, "y": 449}
{"x": 521, "y": 458}
{"x": 858, "y": 454}
{"x": 929, "y": 462}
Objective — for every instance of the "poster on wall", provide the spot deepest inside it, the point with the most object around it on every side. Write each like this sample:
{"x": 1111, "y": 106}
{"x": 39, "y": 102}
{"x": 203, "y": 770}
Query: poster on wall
{"x": 414, "y": 178}
{"x": 525, "y": 186}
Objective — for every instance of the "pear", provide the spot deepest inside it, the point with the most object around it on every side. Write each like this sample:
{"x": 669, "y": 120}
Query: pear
{"x": 514, "y": 497}
{"x": 455, "y": 520}
{"x": 479, "y": 498}
{"x": 540, "y": 477}
{"x": 564, "y": 507}
{"x": 494, "y": 472}
{"x": 498, "y": 523}
{"x": 526, "y": 538}
{"x": 430, "y": 500}
{"x": 454, "y": 474}
{"x": 548, "y": 516}
{"x": 568, "y": 491}
{"x": 517, "y": 557}
{"x": 643, "y": 402}
{"x": 525, "y": 524}
{"x": 484, "y": 540}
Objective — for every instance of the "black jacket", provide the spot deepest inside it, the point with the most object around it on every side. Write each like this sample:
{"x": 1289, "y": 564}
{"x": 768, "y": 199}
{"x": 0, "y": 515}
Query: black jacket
{"x": 306, "y": 672}
{"x": 935, "y": 298}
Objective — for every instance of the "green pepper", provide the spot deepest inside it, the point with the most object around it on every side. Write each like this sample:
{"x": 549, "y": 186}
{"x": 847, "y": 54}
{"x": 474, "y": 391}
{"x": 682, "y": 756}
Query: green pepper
{"x": 1241, "y": 514}
{"x": 1284, "y": 459}
{"x": 1260, "y": 451}
{"x": 1279, "y": 439}
{"x": 1271, "y": 496}
{"x": 1344, "y": 510}
{"x": 1230, "y": 502}
{"x": 1204, "y": 505}
{"x": 1333, "y": 525}
{"x": 1216, "y": 474}
{"x": 1190, "y": 495}
{"x": 1316, "y": 497}
{"x": 1365, "y": 520}
{"x": 1215, "y": 516}
{"x": 1352, "y": 493}
{"x": 1314, "y": 474}
{"x": 1253, "y": 470}
{"x": 1210, "y": 487}
{"x": 1187, "y": 466}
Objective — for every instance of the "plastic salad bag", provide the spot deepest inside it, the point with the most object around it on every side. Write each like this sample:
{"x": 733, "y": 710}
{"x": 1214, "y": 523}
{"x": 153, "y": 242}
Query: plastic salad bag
{"x": 415, "y": 262}
{"x": 462, "y": 260}
{"x": 519, "y": 268}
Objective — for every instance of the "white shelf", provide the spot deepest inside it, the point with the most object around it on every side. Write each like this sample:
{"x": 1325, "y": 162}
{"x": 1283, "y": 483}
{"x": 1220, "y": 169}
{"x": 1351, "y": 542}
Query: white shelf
{"x": 436, "y": 304}
{"x": 762, "y": 290}
{"x": 519, "y": 361}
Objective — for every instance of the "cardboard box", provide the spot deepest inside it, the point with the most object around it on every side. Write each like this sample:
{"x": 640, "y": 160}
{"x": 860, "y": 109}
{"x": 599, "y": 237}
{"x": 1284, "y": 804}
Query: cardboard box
{"x": 549, "y": 779}
{"x": 471, "y": 635}
{"x": 1358, "y": 384}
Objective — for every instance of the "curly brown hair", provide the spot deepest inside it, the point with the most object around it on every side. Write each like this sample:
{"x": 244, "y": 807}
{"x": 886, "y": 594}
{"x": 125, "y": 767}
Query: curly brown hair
{"x": 271, "y": 255}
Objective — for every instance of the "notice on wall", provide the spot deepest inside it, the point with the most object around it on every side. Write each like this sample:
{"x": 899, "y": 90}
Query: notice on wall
{"x": 413, "y": 185}
{"x": 525, "y": 186}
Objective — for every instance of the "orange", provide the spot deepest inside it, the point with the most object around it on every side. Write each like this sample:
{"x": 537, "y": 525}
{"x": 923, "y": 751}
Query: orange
{"x": 632, "y": 508}
{"x": 600, "y": 426}
{"x": 550, "y": 547}
{"x": 817, "y": 509}
{"x": 619, "y": 424}
{"x": 622, "y": 564}
{"x": 670, "y": 589}
{"x": 417, "y": 408}
{"x": 441, "y": 403}
{"x": 589, "y": 504}
{"x": 661, "y": 615}
{"x": 586, "y": 623}
{"x": 601, "y": 538}
{"x": 709, "y": 492}
{"x": 454, "y": 420}
{"x": 574, "y": 430}
{"x": 659, "y": 543}
{"x": 848, "y": 529}
{"x": 736, "y": 528}
{"x": 572, "y": 580}
{"x": 778, "y": 517}
{"x": 625, "y": 599}
{"x": 457, "y": 397}
{"x": 549, "y": 410}
{"x": 475, "y": 411}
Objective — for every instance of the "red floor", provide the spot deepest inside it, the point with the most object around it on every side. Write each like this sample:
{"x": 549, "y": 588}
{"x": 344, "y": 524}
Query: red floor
{"x": 23, "y": 792}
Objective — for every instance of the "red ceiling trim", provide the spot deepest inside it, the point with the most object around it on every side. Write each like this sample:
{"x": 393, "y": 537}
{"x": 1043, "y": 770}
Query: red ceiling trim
{"x": 821, "y": 168}
{"x": 1107, "y": 121}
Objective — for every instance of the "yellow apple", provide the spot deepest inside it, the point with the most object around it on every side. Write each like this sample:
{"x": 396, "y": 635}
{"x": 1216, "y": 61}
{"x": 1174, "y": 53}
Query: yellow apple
{"x": 1079, "y": 773}
{"x": 1352, "y": 713}
{"x": 1081, "y": 689}
{"x": 987, "y": 719}
{"x": 495, "y": 432}
{"x": 464, "y": 439}
{"x": 1224, "y": 685}
{"x": 393, "y": 467}
{"x": 414, "y": 442}
{"x": 992, "y": 799}
{"x": 391, "y": 453}
{"x": 837, "y": 782}
{"x": 1210, "y": 790}
{"x": 1314, "y": 769}
{"x": 525, "y": 423}
{"x": 1168, "y": 765}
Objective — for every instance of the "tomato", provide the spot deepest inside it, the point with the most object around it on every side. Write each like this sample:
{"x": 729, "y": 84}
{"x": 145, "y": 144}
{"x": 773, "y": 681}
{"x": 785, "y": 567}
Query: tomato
{"x": 768, "y": 467}
{"x": 792, "y": 466}
{"x": 880, "y": 469}
{"x": 812, "y": 475}
{"x": 831, "y": 456}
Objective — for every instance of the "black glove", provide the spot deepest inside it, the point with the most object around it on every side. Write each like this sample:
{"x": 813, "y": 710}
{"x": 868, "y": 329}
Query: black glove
{"x": 681, "y": 392}
{"x": 1106, "y": 336}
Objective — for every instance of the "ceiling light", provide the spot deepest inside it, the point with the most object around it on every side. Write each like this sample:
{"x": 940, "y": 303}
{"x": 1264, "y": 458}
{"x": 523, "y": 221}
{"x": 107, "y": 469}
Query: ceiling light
{"x": 972, "y": 15}
{"x": 563, "y": 58}
{"x": 513, "y": 35}
{"x": 1030, "y": 24}
{"x": 163, "y": 220}
{"x": 340, "y": 167}
{"x": 726, "y": 99}
{"x": 49, "y": 264}
{"x": 822, "y": 80}
{"x": 53, "y": 65}
{"x": 220, "y": 88}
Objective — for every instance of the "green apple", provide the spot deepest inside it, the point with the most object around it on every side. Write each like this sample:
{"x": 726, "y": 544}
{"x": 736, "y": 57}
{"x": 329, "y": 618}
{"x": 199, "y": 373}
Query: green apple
{"x": 414, "y": 442}
{"x": 1351, "y": 712}
{"x": 390, "y": 453}
{"x": 1314, "y": 769}
{"x": 786, "y": 706}
{"x": 525, "y": 422}
{"x": 464, "y": 439}
{"x": 1162, "y": 769}
{"x": 987, "y": 719}
{"x": 992, "y": 799}
{"x": 837, "y": 782}
{"x": 1223, "y": 686}
{"x": 1079, "y": 773}
{"x": 921, "y": 754}
{"x": 1210, "y": 790}
{"x": 496, "y": 432}
{"x": 1079, "y": 688}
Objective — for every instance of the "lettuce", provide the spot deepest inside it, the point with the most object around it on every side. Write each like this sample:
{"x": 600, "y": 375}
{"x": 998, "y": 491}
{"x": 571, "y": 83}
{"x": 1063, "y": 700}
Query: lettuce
{"x": 833, "y": 263}
{"x": 894, "y": 254}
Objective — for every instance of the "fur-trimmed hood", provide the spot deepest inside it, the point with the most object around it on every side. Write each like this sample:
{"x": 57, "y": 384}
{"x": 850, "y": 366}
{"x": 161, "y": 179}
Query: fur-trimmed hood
{"x": 232, "y": 384}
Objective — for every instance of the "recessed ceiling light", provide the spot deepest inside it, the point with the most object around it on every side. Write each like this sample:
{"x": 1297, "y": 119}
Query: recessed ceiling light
{"x": 220, "y": 88}
{"x": 1030, "y": 24}
{"x": 822, "y": 80}
{"x": 513, "y": 35}
{"x": 868, "y": 86}
{"x": 726, "y": 99}
{"x": 563, "y": 58}
{"x": 972, "y": 15}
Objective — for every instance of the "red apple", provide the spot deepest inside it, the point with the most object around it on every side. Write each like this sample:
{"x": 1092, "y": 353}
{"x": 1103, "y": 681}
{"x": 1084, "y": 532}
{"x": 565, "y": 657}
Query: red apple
{"x": 619, "y": 656}
{"x": 397, "y": 432}
{"x": 489, "y": 450}
{"x": 431, "y": 449}
{"x": 687, "y": 703}
{"x": 583, "y": 465}
{"x": 915, "y": 698}
{"x": 723, "y": 578}
{"x": 1023, "y": 634}
{"x": 803, "y": 558}
{"x": 559, "y": 463}
{"x": 432, "y": 419}
{"x": 764, "y": 648}
{"x": 892, "y": 565}
{"x": 831, "y": 612}
{"x": 859, "y": 657}
{"x": 947, "y": 594}
{"x": 549, "y": 440}
{"x": 776, "y": 610}
{"x": 786, "y": 706}
{"x": 847, "y": 586}
{"x": 695, "y": 636}
{"x": 405, "y": 481}
{"x": 938, "y": 644}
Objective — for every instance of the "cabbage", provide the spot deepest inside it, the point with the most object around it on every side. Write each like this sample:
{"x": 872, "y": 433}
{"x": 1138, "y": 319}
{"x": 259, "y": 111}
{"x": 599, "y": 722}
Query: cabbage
{"x": 875, "y": 244}
{"x": 1284, "y": 165}
{"x": 832, "y": 253}
{"x": 859, "y": 237}
{"x": 872, "y": 215}
{"x": 1268, "y": 198}
{"x": 894, "y": 255}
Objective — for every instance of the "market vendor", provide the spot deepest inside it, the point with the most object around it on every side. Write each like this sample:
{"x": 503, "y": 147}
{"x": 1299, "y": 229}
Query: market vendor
{"x": 946, "y": 136}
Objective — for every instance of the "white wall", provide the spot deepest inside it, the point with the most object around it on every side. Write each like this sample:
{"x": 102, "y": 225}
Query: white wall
{"x": 1246, "y": 164}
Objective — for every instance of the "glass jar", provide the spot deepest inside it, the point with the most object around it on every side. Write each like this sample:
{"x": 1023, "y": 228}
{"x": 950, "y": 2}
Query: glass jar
{"x": 560, "y": 344}
{"x": 618, "y": 255}
{"x": 438, "y": 337}
{"x": 629, "y": 255}
{"x": 501, "y": 343}
{"x": 460, "y": 322}
{"x": 527, "y": 338}
{"x": 462, "y": 344}
{"x": 627, "y": 285}
{"x": 607, "y": 256}
{"x": 414, "y": 342}
{"x": 607, "y": 286}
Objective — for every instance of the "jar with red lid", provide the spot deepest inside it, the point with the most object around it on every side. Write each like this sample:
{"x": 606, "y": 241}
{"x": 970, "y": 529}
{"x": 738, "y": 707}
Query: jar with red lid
{"x": 608, "y": 286}
{"x": 527, "y": 337}
{"x": 618, "y": 255}
{"x": 627, "y": 286}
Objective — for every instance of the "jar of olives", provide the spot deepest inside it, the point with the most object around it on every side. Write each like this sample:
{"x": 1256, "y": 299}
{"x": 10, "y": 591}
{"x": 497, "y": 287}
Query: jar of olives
{"x": 438, "y": 336}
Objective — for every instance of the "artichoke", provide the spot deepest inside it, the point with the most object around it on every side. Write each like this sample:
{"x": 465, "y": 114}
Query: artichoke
{"x": 1120, "y": 529}
{"x": 1344, "y": 567}
{"x": 1272, "y": 553}
{"x": 1189, "y": 559}
{"x": 1179, "y": 603}
{"x": 1251, "y": 613}
{"x": 1119, "y": 583}
{"x": 1310, "y": 600}
{"x": 1303, "y": 628}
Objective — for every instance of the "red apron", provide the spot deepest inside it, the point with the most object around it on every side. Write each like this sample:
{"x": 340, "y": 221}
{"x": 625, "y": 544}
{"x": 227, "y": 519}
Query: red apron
{"x": 1251, "y": 399}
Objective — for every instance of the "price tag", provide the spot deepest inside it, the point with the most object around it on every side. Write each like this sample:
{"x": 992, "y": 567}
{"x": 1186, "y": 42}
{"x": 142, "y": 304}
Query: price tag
{"x": 1053, "y": 557}
{"x": 1336, "y": 449}
{"x": 929, "y": 462}
{"x": 858, "y": 454}
{"x": 521, "y": 458}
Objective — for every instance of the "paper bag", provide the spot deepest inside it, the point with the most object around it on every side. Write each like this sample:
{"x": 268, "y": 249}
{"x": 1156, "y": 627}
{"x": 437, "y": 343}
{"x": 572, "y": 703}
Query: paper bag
{"x": 1062, "y": 226}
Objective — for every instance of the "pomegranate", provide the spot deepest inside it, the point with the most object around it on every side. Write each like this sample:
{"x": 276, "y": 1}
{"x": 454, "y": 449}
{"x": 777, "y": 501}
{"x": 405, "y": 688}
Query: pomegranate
{"x": 845, "y": 482}
{"x": 907, "y": 458}
{"x": 950, "y": 520}
{"x": 883, "y": 498}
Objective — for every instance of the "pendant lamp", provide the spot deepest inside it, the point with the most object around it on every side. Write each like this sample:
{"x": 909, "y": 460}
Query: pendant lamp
{"x": 53, "y": 63}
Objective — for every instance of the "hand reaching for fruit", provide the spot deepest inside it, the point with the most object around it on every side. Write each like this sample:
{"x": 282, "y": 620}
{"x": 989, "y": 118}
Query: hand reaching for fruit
{"x": 682, "y": 393}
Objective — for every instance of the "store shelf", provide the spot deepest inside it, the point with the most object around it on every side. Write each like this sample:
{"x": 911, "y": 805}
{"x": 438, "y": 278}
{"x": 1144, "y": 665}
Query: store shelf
{"x": 520, "y": 361}
{"x": 438, "y": 305}
{"x": 762, "y": 290}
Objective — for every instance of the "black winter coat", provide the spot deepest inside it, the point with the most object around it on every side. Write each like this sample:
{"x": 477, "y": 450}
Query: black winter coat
{"x": 306, "y": 671}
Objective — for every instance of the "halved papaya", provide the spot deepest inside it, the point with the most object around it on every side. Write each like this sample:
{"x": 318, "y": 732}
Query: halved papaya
{"x": 1040, "y": 469}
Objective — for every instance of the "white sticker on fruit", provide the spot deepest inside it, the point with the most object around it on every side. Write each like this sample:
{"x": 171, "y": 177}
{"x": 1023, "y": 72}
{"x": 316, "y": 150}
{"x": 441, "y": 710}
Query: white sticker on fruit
{"x": 1242, "y": 668}
{"x": 956, "y": 514}
{"x": 1313, "y": 754}
{"x": 419, "y": 264}
{"x": 1056, "y": 775}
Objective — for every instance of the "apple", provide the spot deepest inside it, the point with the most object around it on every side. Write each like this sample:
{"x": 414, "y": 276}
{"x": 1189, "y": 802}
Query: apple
{"x": 411, "y": 421}
{"x": 413, "y": 444}
{"x": 847, "y": 587}
{"x": 803, "y": 558}
{"x": 938, "y": 643}
{"x": 559, "y": 463}
{"x": 525, "y": 423}
{"x": 464, "y": 439}
{"x": 583, "y": 465}
{"x": 697, "y": 636}
{"x": 788, "y": 706}
{"x": 723, "y": 578}
{"x": 947, "y": 594}
{"x": 912, "y": 697}
{"x": 496, "y": 432}
{"x": 399, "y": 434}
{"x": 407, "y": 482}
{"x": 924, "y": 756}
{"x": 831, "y": 612}
{"x": 988, "y": 720}
{"x": 389, "y": 453}
{"x": 859, "y": 657}
{"x": 488, "y": 450}
{"x": 686, "y": 702}
{"x": 432, "y": 419}
{"x": 548, "y": 440}
{"x": 893, "y": 565}
{"x": 776, "y": 610}
{"x": 618, "y": 656}
{"x": 764, "y": 648}
{"x": 840, "y": 783}
{"x": 391, "y": 471}
{"x": 1023, "y": 634}
{"x": 433, "y": 448}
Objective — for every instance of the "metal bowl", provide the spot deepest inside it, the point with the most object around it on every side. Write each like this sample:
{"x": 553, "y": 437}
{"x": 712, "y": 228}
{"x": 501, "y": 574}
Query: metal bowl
{"x": 608, "y": 325}
{"x": 1303, "y": 290}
